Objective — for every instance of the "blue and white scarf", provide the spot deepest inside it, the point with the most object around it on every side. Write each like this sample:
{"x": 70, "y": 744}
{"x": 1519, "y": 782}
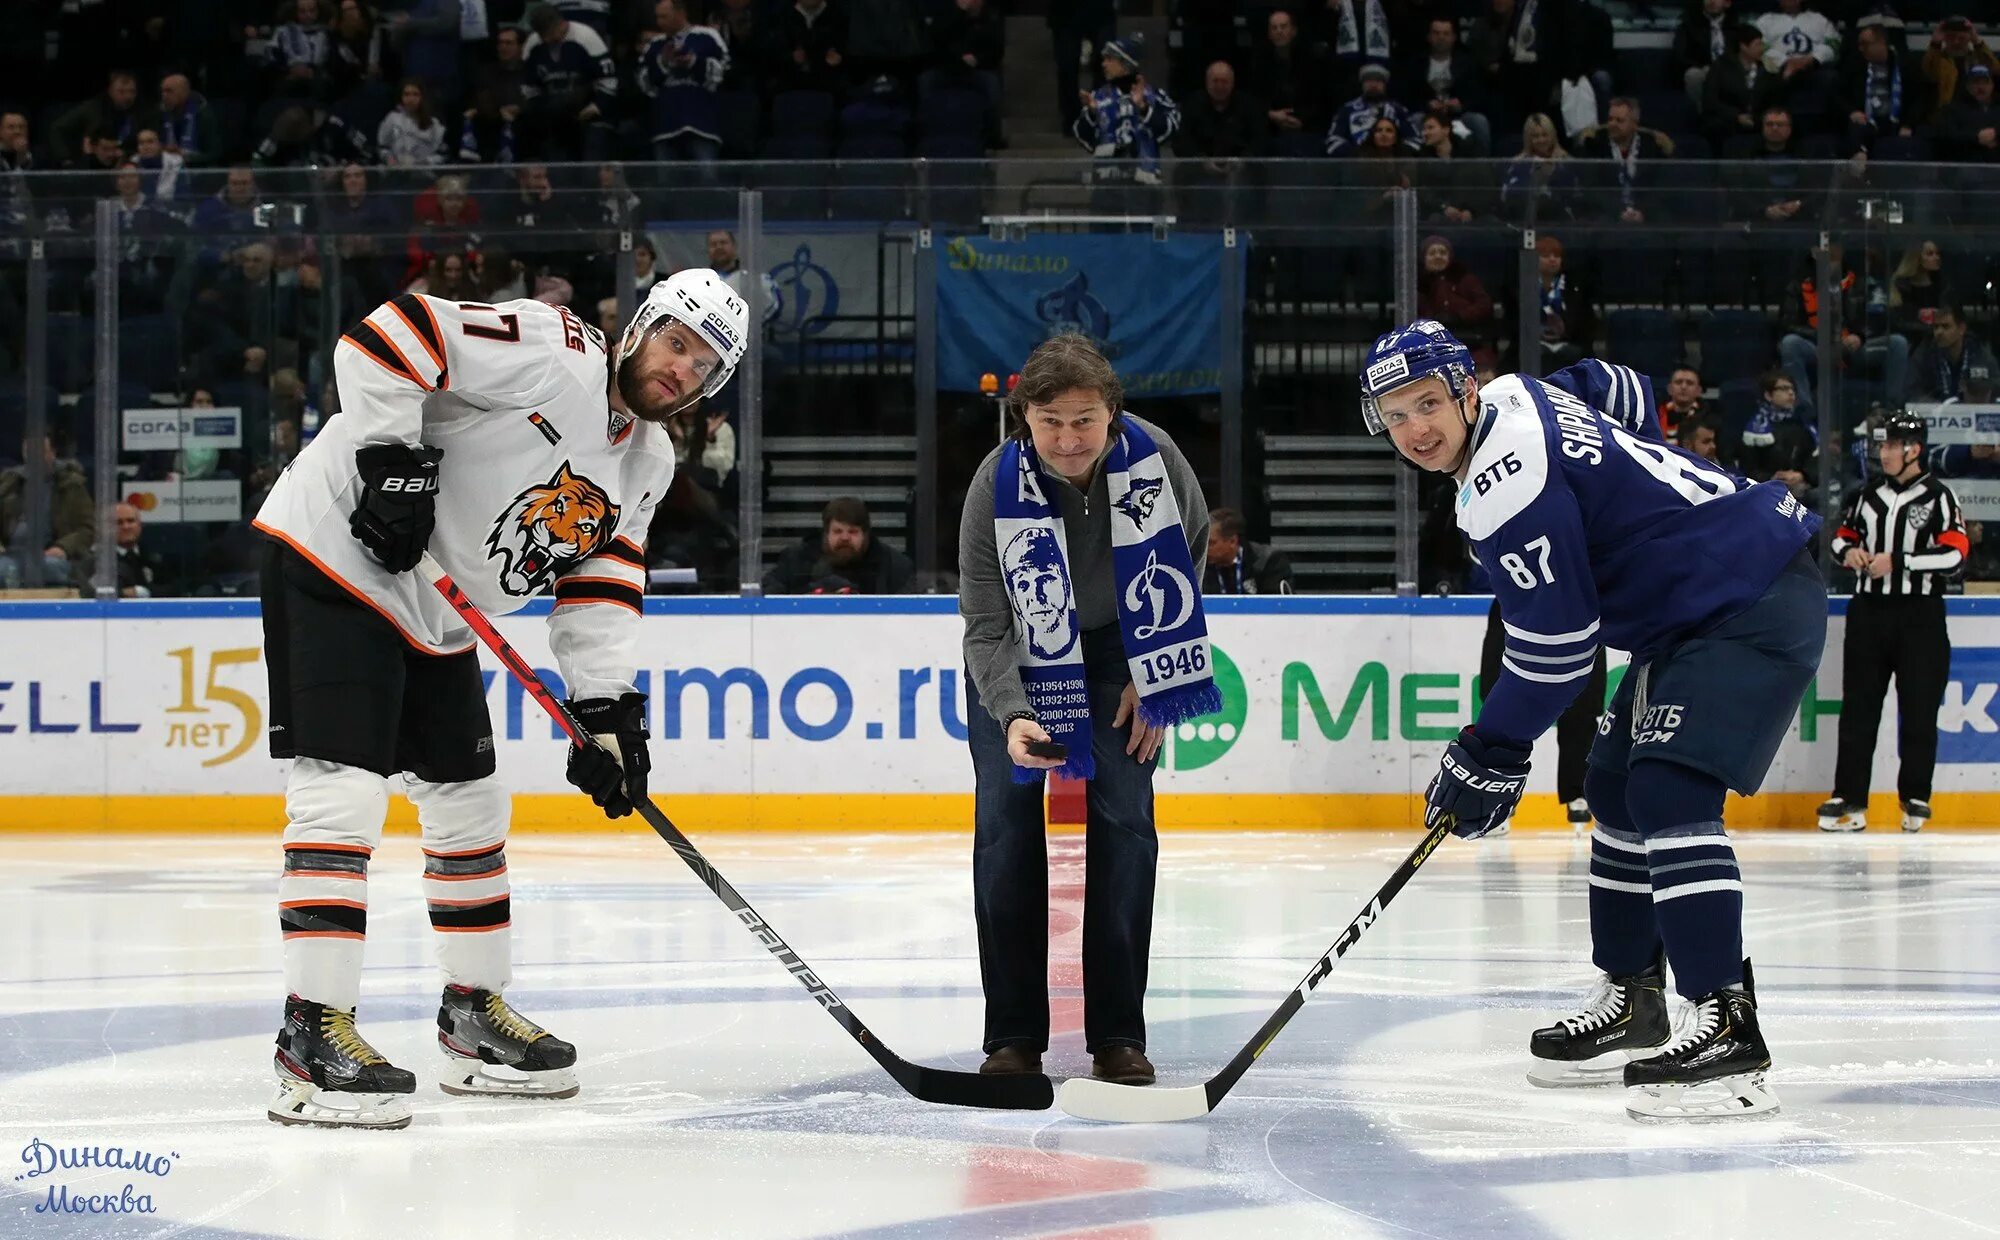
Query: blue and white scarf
{"x": 1159, "y": 595}
{"x": 1352, "y": 38}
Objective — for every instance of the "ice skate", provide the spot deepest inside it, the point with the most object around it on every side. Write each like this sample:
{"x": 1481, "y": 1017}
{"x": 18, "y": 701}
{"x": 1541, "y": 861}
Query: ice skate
{"x": 1838, "y": 815}
{"x": 1715, "y": 1067}
{"x": 1915, "y": 815}
{"x": 1624, "y": 1018}
{"x": 489, "y": 1048}
{"x": 328, "y": 1075}
{"x": 1579, "y": 816}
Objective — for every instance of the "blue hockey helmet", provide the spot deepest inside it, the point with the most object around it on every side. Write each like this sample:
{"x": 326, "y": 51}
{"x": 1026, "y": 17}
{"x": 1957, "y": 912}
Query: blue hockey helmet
{"x": 1411, "y": 352}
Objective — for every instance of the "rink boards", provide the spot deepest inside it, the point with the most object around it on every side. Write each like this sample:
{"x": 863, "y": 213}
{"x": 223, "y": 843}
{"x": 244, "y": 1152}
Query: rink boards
{"x": 848, "y": 714}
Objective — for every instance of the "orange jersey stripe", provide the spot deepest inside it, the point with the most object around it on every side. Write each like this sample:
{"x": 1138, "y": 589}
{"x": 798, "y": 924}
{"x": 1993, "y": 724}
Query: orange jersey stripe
{"x": 358, "y": 594}
{"x": 422, "y": 339}
{"x": 307, "y": 846}
{"x": 471, "y": 929}
{"x": 464, "y": 878}
{"x": 322, "y": 903}
{"x": 370, "y": 355}
{"x": 586, "y": 602}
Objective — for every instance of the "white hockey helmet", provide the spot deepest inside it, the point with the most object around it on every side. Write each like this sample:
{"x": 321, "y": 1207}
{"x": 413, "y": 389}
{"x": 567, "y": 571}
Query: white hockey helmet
{"x": 701, "y": 302}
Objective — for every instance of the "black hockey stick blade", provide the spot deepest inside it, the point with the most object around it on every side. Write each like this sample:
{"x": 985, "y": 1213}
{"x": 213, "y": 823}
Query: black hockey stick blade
{"x": 939, "y": 1085}
{"x": 1086, "y": 1098}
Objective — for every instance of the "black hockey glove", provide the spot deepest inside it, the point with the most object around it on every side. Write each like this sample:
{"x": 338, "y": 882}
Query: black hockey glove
{"x": 1477, "y": 783}
{"x": 613, "y": 770}
{"x": 398, "y": 508}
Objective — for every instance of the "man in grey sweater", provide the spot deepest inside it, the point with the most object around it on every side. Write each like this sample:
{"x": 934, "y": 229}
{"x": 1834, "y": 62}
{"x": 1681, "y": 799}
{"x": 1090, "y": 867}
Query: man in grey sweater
{"x": 1068, "y": 405}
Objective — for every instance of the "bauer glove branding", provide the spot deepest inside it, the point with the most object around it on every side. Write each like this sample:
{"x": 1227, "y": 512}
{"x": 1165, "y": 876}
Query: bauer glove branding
{"x": 398, "y": 508}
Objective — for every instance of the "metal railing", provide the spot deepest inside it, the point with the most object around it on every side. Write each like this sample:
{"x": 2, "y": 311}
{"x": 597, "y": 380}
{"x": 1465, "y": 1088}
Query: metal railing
{"x": 117, "y": 308}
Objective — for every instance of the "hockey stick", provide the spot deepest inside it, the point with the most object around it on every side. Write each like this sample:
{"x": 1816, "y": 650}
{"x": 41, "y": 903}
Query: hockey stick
{"x": 1087, "y": 1098}
{"x": 964, "y": 1089}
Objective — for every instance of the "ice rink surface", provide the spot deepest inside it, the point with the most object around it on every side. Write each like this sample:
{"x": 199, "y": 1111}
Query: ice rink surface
{"x": 139, "y": 993}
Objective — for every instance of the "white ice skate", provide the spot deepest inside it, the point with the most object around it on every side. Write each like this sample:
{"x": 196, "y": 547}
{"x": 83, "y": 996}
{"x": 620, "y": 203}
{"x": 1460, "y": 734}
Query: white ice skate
{"x": 1916, "y": 814}
{"x": 1839, "y": 815}
{"x": 1579, "y": 816}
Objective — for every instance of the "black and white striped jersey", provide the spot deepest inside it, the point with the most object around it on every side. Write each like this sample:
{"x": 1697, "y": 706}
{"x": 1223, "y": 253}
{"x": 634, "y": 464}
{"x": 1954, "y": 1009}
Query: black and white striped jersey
{"x": 1917, "y": 523}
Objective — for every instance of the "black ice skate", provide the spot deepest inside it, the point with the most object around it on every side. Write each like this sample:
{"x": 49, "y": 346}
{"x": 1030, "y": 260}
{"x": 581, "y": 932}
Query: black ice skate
{"x": 1579, "y": 816}
{"x": 1715, "y": 1067}
{"x": 1915, "y": 815}
{"x": 328, "y": 1075}
{"x": 489, "y": 1048}
{"x": 1624, "y": 1018}
{"x": 1839, "y": 815}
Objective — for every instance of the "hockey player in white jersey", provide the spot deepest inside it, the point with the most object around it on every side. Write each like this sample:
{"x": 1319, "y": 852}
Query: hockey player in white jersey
{"x": 524, "y": 454}
{"x": 1598, "y": 536}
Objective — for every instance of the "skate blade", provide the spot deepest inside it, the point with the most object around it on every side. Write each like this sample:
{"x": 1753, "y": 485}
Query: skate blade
{"x": 1730, "y": 1097}
{"x": 1585, "y": 1073}
{"x": 302, "y": 1104}
{"x": 473, "y": 1078}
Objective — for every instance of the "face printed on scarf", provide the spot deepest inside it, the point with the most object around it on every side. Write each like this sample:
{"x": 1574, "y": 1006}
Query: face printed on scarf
{"x": 1038, "y": 587}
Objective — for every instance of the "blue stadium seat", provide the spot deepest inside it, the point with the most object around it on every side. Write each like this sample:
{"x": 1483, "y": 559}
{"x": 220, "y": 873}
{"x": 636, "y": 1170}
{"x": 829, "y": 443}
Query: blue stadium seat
{"x": 950, "y": 146}
{"x": 802, "y": 114}
{"x": 1738, "y": 402}
{"x": 875, "y": 117}
{"x": 872, "y": 146}
{"x": 1736, "y": 344}
{"x": 1669, "y": 110}
{"x": 961, "y": 112}
{"x": 1649, "y": 341}
{"x": 70, "y": 356}
{"x": 742, "y": 111}
{"x": 149, "y": 351}
{"x": 794, "y": 192}
{"x": 1641, "y": 70}
{"x": 1632, "y": 268}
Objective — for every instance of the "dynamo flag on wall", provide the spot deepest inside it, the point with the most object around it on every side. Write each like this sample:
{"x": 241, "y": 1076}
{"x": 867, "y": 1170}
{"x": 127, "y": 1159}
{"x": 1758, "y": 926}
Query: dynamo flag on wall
{"x": 1153, "y": 307}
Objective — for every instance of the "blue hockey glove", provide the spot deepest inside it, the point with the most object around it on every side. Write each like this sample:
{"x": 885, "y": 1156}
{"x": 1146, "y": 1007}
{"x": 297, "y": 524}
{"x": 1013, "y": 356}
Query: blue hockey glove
{"x": 1477, "y": 783}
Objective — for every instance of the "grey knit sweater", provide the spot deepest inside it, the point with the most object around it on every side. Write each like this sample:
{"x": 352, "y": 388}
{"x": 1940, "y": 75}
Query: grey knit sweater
{"x": 990, "y": 648}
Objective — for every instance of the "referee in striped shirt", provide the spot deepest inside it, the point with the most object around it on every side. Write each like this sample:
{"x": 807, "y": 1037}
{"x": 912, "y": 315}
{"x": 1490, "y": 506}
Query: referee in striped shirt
{"x": 1904, "y": 539}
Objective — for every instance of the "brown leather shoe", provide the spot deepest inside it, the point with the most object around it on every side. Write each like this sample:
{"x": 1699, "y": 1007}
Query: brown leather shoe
{"x": 1122, "y": 1065}
{"x": 1012, "y": 1061}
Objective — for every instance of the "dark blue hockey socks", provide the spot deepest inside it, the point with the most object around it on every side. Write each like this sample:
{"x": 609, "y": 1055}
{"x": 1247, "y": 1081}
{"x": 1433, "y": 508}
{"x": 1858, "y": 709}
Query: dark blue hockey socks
{"x": 1697, "y": 889}
{"x": 1624, "y": 934}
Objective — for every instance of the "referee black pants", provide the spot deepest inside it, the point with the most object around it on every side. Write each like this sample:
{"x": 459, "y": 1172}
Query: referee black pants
{"x": 1576, "y": 728}
{"x": 1901, "y": 636}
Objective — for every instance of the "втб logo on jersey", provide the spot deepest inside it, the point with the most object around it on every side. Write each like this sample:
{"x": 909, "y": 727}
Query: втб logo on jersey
{"x": 549, "y": 527}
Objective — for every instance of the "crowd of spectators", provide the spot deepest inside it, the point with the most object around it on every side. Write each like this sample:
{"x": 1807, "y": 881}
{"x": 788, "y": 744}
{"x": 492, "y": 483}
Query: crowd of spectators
{"x": 1506, "y": 76}
{"x": 444, "y": 132}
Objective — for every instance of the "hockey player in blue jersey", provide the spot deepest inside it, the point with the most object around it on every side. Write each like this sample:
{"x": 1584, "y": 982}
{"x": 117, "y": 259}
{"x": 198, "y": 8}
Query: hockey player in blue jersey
{"x": 1595, "y": 535}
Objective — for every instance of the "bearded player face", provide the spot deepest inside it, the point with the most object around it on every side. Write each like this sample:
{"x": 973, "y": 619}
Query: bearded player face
{"x": 665, "y": 371}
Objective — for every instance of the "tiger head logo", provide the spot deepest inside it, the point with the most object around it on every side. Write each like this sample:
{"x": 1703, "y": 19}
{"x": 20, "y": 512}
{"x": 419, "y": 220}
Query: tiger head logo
{"x": 549, "y": 527}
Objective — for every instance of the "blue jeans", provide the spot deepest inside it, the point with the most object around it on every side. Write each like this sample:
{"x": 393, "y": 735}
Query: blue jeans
{"x": 14, "y": 570}
{"x": 1799, "y": 356}
{"x": 1010, "y": 874}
